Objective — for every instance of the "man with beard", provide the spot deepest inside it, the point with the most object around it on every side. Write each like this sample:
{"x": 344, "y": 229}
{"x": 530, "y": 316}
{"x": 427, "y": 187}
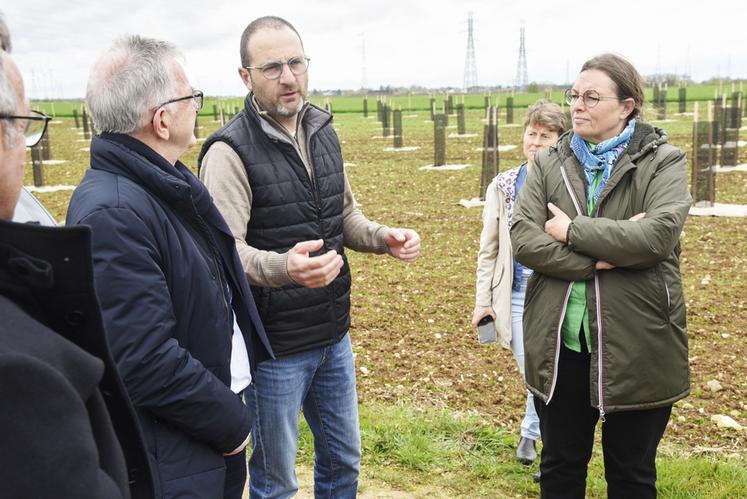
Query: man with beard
{"x": 276, "y": 173}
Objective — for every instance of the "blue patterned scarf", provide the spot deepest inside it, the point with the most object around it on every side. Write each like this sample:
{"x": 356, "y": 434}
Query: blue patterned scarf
{"x": 603, "y": 156}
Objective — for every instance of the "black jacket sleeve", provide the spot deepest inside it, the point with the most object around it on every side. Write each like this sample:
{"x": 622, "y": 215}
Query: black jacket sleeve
{"x": 49, "y": 446}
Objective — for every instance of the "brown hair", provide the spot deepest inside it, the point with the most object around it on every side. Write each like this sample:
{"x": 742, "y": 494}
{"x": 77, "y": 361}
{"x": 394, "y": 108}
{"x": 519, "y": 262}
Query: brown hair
{"x": 547, "y": 114}
{"x": 627, "y": 79}
{"x": 254, "y": 26}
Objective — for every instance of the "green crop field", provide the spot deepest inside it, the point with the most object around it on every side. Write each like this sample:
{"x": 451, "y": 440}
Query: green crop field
{"x": 440, "y": 414}
{"x": 354, "y": 104}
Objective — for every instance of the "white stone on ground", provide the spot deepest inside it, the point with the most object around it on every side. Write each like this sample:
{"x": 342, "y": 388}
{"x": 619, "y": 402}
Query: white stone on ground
{"x": 714, "y": 386}
{"x": 50, "y": 188}
{"x": 472, "y": 203}
{"x": 727, "y": 169}
{"x": 444, "y": 167}
{"x": 725, "y": 422}
{"x": 503, "y": 148}
{"x": 720, "y": 210}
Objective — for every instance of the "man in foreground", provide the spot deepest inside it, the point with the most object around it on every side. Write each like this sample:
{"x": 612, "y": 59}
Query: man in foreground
{"x": 276, "y": 173}
{"x": 179, "y": 315}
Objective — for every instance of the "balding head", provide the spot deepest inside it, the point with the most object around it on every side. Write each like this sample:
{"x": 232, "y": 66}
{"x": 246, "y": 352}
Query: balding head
{"x": 267, "y": 22}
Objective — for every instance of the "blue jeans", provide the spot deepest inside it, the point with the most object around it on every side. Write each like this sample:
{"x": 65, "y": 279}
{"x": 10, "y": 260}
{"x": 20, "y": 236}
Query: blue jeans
{"x": 530, "y": 424}
{"x": 322, "y": 382}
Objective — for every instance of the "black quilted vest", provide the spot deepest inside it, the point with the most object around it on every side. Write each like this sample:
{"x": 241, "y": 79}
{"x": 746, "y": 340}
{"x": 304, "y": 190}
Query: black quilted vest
{"x": 287, "y": 207}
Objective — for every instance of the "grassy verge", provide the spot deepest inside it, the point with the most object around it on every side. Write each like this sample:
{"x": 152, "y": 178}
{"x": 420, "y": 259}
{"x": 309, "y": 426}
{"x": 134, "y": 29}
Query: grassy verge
{"x": 431, "y": 453}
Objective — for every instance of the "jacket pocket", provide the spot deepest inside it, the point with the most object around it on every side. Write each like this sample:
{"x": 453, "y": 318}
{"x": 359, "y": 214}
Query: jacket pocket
{"x": 664, "y": 297}
{"x": 207, "y": 484}
{"x": 534, "y": 284}
{"x": 498, "y": 275}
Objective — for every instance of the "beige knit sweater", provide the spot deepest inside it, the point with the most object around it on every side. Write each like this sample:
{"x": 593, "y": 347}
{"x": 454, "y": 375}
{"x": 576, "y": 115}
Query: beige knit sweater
{"x": 225, "y": 177}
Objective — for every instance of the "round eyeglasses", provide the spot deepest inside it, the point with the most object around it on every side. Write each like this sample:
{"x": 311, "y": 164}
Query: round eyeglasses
{"x": 273, "y": 70}
{"x": 34, "y": 128}
{"x": 590, "y": 98}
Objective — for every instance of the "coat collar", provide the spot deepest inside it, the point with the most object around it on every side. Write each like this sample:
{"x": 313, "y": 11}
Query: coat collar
{"x": 313, "y": 119}
{"x": 645, "y": 140}
{"x": 126, "y": 156}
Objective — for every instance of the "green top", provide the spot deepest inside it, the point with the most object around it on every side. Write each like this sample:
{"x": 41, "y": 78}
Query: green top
{"x": 577, "y": 311}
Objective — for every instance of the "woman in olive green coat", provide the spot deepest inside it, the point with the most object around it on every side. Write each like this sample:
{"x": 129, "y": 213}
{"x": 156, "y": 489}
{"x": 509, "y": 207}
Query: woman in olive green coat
{"x": 599, "y": 221}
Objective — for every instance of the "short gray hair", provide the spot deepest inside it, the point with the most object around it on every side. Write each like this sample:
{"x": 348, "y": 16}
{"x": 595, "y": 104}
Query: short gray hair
{"x": 128, "y": 81}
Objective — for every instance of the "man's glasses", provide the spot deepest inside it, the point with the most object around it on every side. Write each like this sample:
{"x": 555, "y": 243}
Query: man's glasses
{"x": 36, "y": 126}
{"x": 197, "y": 96}
{"x": 590, "y": 98}
{"x": 273, "y": 70}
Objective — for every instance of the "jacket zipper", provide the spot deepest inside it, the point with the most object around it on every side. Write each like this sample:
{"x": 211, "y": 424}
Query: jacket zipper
{"x": 600, "y": 327}
{"x": 559, "y": 338}
{"x": 313, "y": 179}
{"x": 570, "y": 191}
{"x": 558, "y": 343}
{"x": 318, "y": 202}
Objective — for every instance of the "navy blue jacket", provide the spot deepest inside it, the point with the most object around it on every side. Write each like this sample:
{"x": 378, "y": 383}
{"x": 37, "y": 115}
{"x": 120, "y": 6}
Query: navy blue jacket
{"x": 166, "y": 284}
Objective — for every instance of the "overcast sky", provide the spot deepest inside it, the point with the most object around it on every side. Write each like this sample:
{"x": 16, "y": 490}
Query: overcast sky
{"x": 406, "y": 42}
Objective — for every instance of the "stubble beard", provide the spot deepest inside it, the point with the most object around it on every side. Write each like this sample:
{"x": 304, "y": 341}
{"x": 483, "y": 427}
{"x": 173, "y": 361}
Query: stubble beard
{"x": 286, "y": 112}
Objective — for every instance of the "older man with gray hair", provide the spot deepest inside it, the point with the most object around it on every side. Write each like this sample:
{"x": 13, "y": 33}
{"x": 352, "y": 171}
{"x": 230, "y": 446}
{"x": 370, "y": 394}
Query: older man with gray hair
{"x": 180, "y": 317}
{"x": 67, "y": 428}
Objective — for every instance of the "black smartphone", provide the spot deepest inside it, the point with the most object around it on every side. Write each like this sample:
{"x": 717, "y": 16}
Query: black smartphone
{"x": 486, "y": 331}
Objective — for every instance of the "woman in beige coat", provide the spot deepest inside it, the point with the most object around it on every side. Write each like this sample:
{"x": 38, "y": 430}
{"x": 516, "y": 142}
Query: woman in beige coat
{"x": 501, "y": 281}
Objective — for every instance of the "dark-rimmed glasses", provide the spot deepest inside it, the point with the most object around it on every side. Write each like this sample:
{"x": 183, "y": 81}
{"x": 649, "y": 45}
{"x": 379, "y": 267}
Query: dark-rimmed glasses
{"x": 273, "y": 70}
{"x": 36, "y": 126}
{"x": 196, "y": 95}
{"x": 590, "y": 98}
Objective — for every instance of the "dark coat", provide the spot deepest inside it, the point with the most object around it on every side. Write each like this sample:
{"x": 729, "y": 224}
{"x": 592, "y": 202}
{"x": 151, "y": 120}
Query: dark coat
{"x": 64, "y": 410}
{"x": 287, "y": 207}
{"x": 166, "y": 305}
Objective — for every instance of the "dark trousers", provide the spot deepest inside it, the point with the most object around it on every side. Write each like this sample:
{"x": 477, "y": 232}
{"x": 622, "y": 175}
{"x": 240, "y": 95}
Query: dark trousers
{"x": 567, "y": 424}
{"x": 235, "y": 476}
{"x": 236, "y": 472}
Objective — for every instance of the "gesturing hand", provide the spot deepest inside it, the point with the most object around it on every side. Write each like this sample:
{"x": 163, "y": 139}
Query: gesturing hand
{"x": 312, "y": 271}
{"x": 403, "y": 244}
